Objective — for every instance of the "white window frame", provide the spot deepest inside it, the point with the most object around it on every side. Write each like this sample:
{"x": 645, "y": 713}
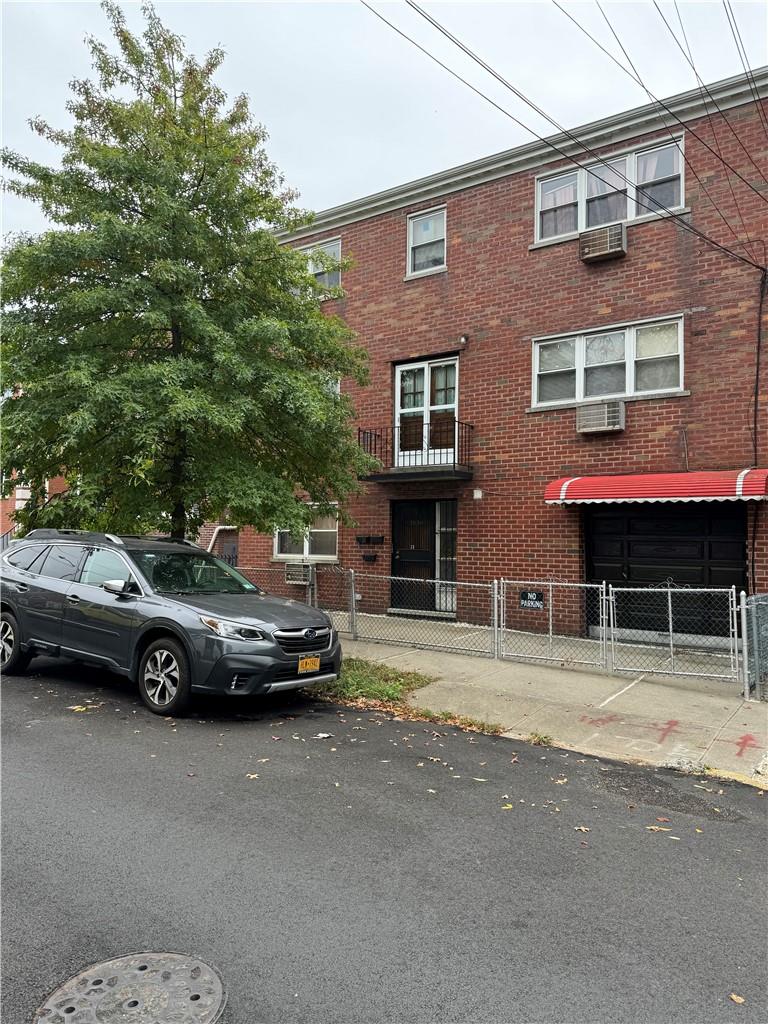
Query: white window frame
{"x": 629, "y": 393}
{"x": 409, "y": 274}
{"x": 430, "y": 456}
{"x": 305, "y": 556}
{"x": 635, "y": 213}
{"x": 309, "y": 249}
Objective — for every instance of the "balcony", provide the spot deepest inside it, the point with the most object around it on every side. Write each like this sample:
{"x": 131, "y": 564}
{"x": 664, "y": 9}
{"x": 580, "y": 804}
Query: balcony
{"x": 415, "y": 450}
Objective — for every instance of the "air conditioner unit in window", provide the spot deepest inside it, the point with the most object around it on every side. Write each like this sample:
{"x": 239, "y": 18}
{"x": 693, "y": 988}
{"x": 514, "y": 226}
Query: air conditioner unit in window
{"x": 601, "y": 418}
{"x": 607, "y": 243}
{"x": 299, "y": 573}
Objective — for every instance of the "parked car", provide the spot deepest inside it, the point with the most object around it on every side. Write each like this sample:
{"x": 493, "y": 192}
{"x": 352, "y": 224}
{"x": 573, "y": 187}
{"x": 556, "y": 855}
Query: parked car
{"x": 165, "y": 613}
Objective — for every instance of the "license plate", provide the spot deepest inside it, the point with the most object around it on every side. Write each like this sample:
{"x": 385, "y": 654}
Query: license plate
{"x": 309, "y": 665}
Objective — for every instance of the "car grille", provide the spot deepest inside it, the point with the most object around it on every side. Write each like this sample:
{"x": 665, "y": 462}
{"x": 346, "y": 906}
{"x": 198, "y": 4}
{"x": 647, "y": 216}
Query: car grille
{"x": 295, "y": 641}
{"x": 282, "y": 675}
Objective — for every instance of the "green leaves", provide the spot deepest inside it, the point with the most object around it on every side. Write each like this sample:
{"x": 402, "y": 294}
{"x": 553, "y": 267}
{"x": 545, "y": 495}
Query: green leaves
{"x": 163, "y": 350}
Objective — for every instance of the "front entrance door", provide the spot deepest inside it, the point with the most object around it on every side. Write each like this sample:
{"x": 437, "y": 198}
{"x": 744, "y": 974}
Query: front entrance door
{"x": 424, "y": 549}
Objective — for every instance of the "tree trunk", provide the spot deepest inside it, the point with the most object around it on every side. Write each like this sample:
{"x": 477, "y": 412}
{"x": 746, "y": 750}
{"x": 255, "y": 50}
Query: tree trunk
{"x": 178, "y": 460}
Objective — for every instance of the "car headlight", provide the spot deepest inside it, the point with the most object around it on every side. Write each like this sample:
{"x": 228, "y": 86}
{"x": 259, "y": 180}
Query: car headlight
{"x": 232, "y": 630}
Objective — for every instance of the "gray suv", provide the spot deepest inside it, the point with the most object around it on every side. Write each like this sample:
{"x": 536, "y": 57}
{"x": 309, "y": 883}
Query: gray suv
{"x": 165, "y": 613}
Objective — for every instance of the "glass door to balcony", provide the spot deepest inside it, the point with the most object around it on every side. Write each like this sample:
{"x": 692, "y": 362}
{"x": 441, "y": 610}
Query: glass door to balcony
{"x": 425, "y": 413}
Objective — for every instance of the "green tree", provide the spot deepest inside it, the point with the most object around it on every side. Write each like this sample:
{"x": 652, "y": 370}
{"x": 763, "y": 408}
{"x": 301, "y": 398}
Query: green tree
{"x": 163, "y": 349}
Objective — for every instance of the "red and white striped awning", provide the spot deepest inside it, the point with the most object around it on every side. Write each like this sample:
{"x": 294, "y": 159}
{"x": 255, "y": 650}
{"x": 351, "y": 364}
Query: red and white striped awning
{"x": 729, "y": 485}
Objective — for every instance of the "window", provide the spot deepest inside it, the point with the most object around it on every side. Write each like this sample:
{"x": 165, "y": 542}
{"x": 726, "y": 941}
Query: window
{"x": 426, "y": 243}
{"x": 25, "y": 558}
{"x": 426, "y": 402}
{"x": 101, "y": 565}
{"x": 62, "y": 561}
{"x": 616, "y": 189}
{"x": 623, "y": 361}
{"x": 319, "y": 543}
{"x": 326, "y": 278}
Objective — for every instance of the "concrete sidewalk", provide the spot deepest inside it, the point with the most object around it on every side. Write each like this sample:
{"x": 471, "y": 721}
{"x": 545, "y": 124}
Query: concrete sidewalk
{"x": 659, "y": 720}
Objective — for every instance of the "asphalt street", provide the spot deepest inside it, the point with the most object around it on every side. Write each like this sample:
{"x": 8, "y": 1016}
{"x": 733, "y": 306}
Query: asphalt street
{"x": 336, "y": 865}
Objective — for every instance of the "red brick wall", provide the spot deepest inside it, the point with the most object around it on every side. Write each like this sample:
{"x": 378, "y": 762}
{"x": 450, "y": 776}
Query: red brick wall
{"x": 502, "y": 294}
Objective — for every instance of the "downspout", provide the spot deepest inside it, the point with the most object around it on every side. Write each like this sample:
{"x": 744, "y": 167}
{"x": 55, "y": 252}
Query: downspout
{"x": 215, "y": 536}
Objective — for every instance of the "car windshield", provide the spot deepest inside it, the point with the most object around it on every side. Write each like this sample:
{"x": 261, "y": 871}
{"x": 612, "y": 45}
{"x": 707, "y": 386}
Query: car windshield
{"x": 190, "y": 572}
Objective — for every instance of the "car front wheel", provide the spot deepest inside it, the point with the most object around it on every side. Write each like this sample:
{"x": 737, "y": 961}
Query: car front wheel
{"x": 164, "y": 682}
{"x": 12, "y": 659}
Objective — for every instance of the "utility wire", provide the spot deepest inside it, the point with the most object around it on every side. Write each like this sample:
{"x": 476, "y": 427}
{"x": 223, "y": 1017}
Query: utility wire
{"x": 658, "y": 208}
{"x": 661, "y": 103}
{"x": 734, "y": 26}
{"x": 712, "y": 98}
{"x": 688, "y": 163}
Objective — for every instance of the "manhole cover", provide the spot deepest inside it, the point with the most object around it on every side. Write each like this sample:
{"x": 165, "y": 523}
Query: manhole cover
{"x": 141, "y": 988}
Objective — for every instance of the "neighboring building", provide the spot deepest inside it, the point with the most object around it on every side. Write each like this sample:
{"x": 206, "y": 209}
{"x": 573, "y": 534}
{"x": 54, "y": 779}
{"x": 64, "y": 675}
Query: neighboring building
{"x": 507, "y": 365}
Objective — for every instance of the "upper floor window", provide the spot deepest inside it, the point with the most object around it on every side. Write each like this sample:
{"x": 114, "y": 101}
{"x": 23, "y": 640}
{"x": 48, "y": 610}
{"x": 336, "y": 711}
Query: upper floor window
{"x": 426, "y": 405}
{"x": 319, "y": 543}
{"x": 325, "y": 278}
{"x": 426, "y": 242}
{"x": 624, "y": 361}
{"x": 623, "y": 188}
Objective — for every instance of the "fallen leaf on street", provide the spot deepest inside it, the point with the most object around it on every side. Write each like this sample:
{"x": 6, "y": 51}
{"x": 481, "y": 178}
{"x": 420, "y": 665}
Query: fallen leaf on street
{"x": 560, "y": 782}
{"x": 251, "y": 775}
{"x": 582, "y": 828}
{"x": 657, "y": 828}
{"x": 277, "y": 737}
{"x": 736, "y": 999}
{"x": 700, "y": 831}
{"x": 507, "y": 807}
{"x": 674, "y": 837}
{"x": 478, "y": 780}
{"x": 190, "y": 775}
{"x": 663, "y": 819}
{"x": 322, "y": 736}
{"x": 431, "y": 790}
{"x": 262, "y": 760}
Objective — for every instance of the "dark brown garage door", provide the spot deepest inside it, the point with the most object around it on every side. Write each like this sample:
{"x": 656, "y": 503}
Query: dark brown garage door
{"x": 692, "y": 544}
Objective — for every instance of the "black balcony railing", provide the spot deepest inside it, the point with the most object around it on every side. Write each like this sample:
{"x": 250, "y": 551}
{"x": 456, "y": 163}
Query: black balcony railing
{"x": 440, "y": 448}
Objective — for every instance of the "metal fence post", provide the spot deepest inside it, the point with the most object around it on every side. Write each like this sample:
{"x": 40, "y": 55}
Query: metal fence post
{"x": 352, "y": 605}
{"x": 495, "y": 617}
{"x": 671, "y": 630}
{"x": 757, "y": 668}
{"x": 612, "y": 627}
{"x": 604, "y": 624}
{"x": 744, "y": 642}
{"x": 550, "y": 620}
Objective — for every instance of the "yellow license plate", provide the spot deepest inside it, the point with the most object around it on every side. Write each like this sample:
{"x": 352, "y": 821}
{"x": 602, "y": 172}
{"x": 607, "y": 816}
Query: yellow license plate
{"x": 309, "y": 665}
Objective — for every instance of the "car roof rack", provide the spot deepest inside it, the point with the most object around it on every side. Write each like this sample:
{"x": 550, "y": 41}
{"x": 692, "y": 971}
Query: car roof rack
{"x": 48, "y": 533}
{"x": 161, "y": 540}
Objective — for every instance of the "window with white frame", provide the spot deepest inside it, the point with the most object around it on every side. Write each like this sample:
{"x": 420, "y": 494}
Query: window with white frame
{"x": 625, "y": 361}
{"x": 325, "y": 278}
{"x": 616, "y": 189}
{"x": 318, "y": 543}
{"x": 426, "y": 242}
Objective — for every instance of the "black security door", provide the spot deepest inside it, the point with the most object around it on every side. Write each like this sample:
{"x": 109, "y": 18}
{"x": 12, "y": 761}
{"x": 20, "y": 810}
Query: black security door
{"x": 413, "y": 554}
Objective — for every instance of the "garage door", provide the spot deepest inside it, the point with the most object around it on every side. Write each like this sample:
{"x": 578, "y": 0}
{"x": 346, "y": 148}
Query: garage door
{"x": 693, "y": 544}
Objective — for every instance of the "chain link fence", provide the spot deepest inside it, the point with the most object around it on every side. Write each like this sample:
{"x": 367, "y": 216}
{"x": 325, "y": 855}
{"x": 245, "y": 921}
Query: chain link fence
{"x": 681, "y": 631}
{"x": 553, "y": 621}
{"x": 757, "y": 644}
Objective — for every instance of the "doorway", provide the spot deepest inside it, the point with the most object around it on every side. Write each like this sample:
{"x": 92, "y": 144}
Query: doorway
{"x": 424, "y": 555}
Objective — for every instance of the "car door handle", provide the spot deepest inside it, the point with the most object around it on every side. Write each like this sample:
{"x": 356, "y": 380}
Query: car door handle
{"x": 23, "y": 587}
{"x": 73, "y": 599}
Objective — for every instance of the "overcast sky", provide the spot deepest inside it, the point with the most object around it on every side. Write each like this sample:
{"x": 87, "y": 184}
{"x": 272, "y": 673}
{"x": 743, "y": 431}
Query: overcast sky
{"x": 350, "y": 107}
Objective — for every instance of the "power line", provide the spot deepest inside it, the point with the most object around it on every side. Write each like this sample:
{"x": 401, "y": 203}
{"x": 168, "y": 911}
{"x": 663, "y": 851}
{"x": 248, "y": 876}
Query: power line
{"x": 734, "y": 26}
{"x": 688, "y": 163}
{"x": 712, "y": 98}
{"x": 712, "y": 128}
{"x": 662, "y": 104}
{"x": 654, "y": 209}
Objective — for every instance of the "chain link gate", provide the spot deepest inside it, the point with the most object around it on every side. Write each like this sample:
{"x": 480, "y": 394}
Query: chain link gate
{"x": 676, "y": 631}
{"x": 548, "y": 620}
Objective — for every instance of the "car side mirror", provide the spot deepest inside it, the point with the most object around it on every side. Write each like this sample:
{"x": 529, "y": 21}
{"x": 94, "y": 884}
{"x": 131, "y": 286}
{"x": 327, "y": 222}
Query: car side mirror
{"x": 119, "y": 587}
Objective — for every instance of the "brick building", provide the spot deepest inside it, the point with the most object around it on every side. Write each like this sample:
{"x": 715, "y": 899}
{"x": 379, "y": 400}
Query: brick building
{"x": 509, "y": 367}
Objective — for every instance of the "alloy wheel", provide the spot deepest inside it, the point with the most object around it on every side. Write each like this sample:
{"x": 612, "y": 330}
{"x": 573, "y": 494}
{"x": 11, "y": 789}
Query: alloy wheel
{"x": 6, "y": 642}
{"x": 161, "y": 677}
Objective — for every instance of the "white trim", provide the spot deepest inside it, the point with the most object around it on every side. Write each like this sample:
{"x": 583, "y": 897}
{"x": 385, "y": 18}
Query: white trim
{"x": 740, "y": 482}
{"x": 321, "y": 244}
{"x": 304, "y": 556}
{"x": 630, "y": 173}
{"x": 441, "y": 455}
{"x": 566, "y": 485}
{"x": 627, "y": 501}
{"x": 411, "y": 274}
{"x": 629, "y": 361}
{"x": 645, "y": 219}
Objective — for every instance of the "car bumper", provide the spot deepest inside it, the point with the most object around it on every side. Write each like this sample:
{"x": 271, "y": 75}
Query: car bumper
{"x": 246, "y": 674}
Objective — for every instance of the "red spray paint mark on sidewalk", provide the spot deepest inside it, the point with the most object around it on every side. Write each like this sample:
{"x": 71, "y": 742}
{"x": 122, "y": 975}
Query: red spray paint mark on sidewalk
{"x": 744, "y": 743}
{"x": 605, "y": 720}
{"x": 668, "y": 729}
